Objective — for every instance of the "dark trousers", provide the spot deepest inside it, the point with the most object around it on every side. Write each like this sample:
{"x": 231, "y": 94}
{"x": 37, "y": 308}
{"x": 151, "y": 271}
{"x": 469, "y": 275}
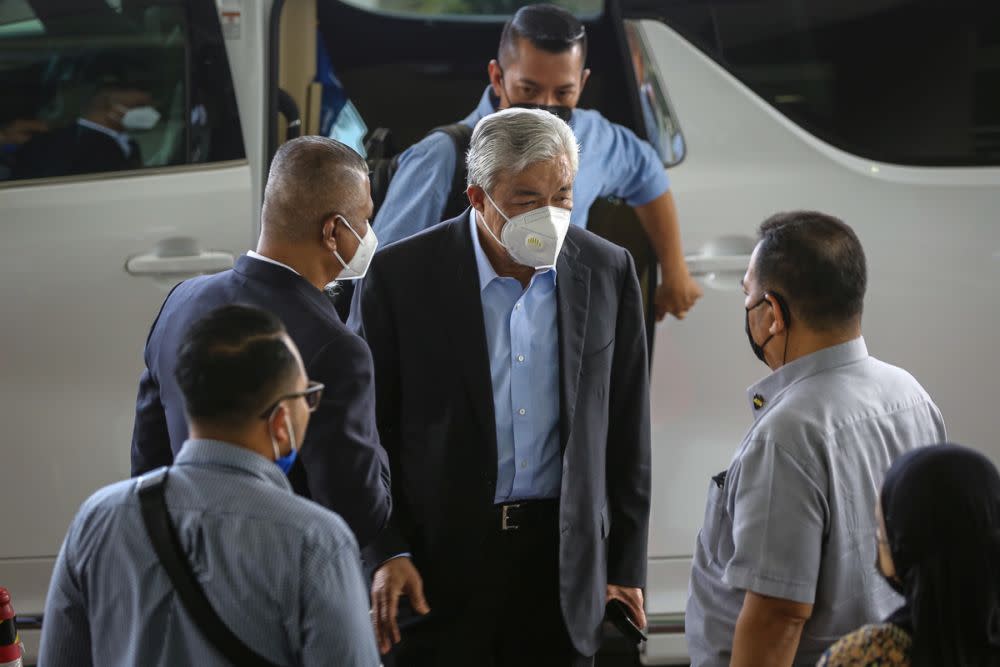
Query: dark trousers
{"x": 512, "y": 615}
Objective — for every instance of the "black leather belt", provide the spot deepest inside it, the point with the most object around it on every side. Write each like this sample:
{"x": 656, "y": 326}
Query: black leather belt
{"x": 526, "y": 515}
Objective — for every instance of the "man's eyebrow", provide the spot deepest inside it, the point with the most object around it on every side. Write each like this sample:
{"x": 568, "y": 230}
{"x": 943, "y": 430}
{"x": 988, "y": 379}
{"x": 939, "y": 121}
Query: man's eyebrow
{"x": 566, "y": 187}
{"x": 524, "y": 192}
{"x": 528, "y": 82}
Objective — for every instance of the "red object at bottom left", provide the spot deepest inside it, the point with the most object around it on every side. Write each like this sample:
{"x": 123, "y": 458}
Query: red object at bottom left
{"x": 11, "y": 651}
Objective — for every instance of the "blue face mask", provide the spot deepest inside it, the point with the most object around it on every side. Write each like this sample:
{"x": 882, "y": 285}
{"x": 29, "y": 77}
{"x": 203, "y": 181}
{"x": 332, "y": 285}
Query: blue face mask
{"x": 285, "y": 462}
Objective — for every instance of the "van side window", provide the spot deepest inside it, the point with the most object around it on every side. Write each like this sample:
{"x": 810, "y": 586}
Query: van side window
{"x": 907, "y": 82}
{"x": 659, "y": 119}
{"x": 113, "y": 85}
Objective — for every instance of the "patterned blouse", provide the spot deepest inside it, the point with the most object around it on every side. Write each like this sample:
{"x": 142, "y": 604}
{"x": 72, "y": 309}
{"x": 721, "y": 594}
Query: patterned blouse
{"x": 884, "y": 645}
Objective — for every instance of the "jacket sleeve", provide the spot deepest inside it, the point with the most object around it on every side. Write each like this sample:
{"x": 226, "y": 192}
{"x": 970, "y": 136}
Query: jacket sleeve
{"x": 150, "y": 436}
{"x": 345, "y": 467}
{"x": 628, "y": 453}
{"x": 379, "y": 330}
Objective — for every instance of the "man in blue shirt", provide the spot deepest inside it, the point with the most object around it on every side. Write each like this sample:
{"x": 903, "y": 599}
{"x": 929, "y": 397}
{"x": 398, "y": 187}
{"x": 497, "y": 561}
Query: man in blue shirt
{"x": 282, "y": 573}
{"x": 542, "y": 53}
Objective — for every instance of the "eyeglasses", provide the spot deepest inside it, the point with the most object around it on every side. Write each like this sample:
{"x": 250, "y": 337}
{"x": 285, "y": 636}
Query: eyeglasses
{"x": 313, "y": 395}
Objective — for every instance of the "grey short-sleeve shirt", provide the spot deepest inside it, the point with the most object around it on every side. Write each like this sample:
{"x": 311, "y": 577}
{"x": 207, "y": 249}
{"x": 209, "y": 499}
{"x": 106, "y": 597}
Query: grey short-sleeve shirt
{"x": 793, "y": 515}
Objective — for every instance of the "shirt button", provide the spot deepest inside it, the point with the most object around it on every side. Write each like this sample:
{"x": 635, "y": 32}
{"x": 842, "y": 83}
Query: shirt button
{"x": 522, "y": 412}
{"x": 520, "y": 357}
{"x": 524, "y": 464}
{"x": 517, "y": 305}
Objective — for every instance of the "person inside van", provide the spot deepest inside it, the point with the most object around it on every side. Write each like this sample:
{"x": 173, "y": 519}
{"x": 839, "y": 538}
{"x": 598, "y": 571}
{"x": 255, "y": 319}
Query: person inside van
{"x": 781, "y": 565}
{"x": 541, "y": 64}
{"x": 98, "y": 141}
{"x": 281, "y": 573}
{"x": 938, "y": 547}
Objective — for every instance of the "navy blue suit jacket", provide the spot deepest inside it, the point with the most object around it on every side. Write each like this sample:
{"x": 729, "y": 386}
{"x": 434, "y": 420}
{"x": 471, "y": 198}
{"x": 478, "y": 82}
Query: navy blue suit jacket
{"x": 341, "y": 464}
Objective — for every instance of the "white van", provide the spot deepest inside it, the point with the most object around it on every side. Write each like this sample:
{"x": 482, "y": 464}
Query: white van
{"x": 883, "y": 112}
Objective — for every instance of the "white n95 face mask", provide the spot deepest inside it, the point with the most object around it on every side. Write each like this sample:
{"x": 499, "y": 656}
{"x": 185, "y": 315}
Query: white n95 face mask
{"x": 140, "y": 118}
{"x": 534, "y": 238}
{"x": 358, "y": 266}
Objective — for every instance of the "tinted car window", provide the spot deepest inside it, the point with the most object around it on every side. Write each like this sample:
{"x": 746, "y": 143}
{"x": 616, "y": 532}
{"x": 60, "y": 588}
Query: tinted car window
{"x": 472, "y": 7}
{"x": 903, "y": 81}
{"x": 110, "y": 86}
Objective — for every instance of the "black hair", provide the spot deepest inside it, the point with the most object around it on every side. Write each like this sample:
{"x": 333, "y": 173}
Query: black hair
{"x": 547, "y": 27}
{"x": 231, "y": 364}
{"x": 941, "y": 506}
{"x": 816, "y": 262}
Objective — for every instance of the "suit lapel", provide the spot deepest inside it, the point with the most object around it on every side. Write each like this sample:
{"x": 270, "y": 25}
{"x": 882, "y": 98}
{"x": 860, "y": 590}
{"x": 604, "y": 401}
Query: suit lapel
{"x": 463, "y": 313}
{"x": 573, "y": 295}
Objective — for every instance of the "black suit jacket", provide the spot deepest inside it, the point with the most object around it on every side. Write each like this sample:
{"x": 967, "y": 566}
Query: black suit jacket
{"x": 75, "y": 149}
{"x": 423, "y": 319}
{"x": 341, "y": 464}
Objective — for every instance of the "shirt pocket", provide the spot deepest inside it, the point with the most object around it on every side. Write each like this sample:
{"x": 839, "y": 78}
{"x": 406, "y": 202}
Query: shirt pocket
{"x": 715, "y": 527}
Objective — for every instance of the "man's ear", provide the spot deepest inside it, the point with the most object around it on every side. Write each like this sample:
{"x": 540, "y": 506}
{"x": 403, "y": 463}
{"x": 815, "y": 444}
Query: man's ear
{"x": 583, "y": 78}
{"x": 495, "y": 72}
{"x": 780, "y": 323}
{"x": 329, "y": 238}
{"x": 477, "y": 197}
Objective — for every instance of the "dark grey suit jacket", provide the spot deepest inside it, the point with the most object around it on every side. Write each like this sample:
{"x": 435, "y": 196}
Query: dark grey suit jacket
{"x": 423, "y": 319}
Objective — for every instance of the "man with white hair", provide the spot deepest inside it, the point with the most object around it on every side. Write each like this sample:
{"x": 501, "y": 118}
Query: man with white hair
{"x": 512, "y": 399}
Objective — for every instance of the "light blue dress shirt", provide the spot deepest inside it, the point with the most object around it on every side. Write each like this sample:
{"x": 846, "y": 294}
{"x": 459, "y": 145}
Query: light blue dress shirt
{"x": 613, "y": 162}
{"x": 522, "y": 336}
{"x": 282, "y": 572}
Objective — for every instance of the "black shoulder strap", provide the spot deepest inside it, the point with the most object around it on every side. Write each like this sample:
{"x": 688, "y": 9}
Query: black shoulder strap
{"x": 461, "y": 135}
{"x": 152, "y": 500}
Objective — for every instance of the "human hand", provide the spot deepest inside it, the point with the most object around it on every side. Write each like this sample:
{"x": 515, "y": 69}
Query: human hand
{"x": 394, "y": 578}
{"x": 20, "y": 130}
{"x": 632, "y": 597}
{"x": 677, "y": 294}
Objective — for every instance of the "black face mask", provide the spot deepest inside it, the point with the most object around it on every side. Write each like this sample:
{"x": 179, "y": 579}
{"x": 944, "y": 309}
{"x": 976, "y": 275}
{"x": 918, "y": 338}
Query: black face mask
{"x": 758, "y": 350}
{"x": 562, "y": 112}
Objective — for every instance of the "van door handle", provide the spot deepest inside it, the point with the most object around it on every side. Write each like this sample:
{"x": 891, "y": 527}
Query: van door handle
{"x": 704, "y": 265}
{"x": 721, "y": 262}
{"x": 191, "y": 265}
{"x": 176, "y": 257}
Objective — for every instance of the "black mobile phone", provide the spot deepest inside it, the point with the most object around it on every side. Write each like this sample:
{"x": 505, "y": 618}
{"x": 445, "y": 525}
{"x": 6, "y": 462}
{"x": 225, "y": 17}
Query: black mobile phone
{"x": 617, "y": 613}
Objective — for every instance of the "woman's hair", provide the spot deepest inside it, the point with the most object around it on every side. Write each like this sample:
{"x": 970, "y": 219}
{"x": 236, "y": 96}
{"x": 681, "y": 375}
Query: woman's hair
{"x": 942, "y": 512}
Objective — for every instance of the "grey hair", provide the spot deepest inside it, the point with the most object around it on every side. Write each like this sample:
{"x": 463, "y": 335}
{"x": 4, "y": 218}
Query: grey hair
{"x": 512, "y": 140}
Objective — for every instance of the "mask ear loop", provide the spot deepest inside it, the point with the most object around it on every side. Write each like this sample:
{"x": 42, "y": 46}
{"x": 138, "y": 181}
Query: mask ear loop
{"x": 504, "y": 215}
{"x": 349, "y": 226}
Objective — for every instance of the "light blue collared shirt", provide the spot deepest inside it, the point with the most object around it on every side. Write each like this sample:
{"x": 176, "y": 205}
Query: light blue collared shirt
{"x": 613, "y": 162}
{"x": 282, "y": 572}
{"x": 522, "y": 336}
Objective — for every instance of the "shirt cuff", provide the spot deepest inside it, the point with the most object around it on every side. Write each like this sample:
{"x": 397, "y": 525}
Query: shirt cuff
{"x": 650, "y": 190}
{"x": 405, "y": 554}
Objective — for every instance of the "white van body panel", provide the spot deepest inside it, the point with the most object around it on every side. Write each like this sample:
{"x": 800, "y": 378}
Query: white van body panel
{"x": 931, "y": 240}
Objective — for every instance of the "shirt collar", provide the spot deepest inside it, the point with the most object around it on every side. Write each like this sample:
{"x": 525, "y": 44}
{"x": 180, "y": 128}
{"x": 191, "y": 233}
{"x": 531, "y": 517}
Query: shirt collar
{"x": 215, "y": 453}
{"x": 120, "y": 137}
{"x": 488, "y": 104}
{"x": 487, "y": 273}
{"x": 257, "y": 255}
{"x": 765, "y": 393}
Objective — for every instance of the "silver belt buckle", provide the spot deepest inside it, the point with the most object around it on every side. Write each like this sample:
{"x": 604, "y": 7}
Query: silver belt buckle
{"x": 505, "y": 519}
